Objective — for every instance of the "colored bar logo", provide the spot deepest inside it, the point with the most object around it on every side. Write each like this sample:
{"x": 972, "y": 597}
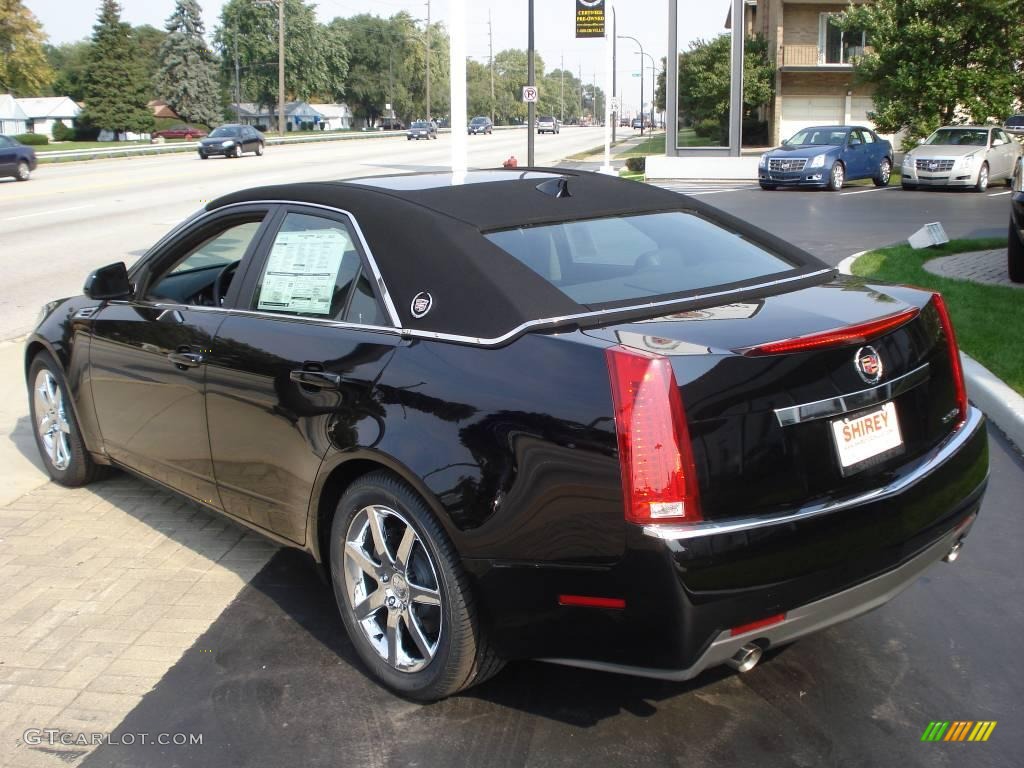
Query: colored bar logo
{"x": 958, "y": 730}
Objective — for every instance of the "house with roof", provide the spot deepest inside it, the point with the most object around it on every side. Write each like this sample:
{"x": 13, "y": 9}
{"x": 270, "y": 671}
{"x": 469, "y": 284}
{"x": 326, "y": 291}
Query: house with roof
{"x": 13, "y": 119}
{"x": 813, "y": 59}
{"x": 299, "y": 116}
{"x": 43, "y": 113}
{"x": 334, "y": 117}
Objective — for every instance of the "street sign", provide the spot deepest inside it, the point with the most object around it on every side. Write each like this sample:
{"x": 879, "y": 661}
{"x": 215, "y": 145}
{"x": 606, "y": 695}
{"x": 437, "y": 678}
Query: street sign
{"x": 589, "y": 18}
{"x": 529, "y": 93}
{"x": 615, "y": 104}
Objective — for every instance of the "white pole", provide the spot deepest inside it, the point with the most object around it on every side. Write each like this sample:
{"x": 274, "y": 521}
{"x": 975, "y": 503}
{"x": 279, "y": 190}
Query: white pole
{"x": 457, "y": 78}
{"x": 609, "y": 73}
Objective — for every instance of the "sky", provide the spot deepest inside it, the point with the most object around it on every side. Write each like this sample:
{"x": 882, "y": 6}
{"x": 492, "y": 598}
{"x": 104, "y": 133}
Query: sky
{"x": 69, "y": 20}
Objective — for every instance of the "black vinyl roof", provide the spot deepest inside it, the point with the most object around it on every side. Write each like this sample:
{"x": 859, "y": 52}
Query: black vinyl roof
{"x": 425, "y": 234}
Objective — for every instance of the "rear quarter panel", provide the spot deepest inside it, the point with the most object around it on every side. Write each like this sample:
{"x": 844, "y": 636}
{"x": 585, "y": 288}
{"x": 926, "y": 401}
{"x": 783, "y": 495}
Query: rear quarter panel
{"x": 515, "y": 445}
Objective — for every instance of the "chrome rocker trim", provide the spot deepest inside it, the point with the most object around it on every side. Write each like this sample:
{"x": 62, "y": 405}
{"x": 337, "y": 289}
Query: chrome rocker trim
{"x": 801, "y": 621}
{"x": 929, "y": 463}
{"x": 836, "y": 406}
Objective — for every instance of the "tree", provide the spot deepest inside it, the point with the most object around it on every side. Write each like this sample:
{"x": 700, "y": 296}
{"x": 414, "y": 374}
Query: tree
{"x": 147, "y": 41}
{"x": 316, "y": 60}
{"x": 187, "y": 74}
{"x": 70, "y": 62}
{"x": 704, "y": 84}
{"x": 24, "y": 69}
{"x": 115, "y": 86}
{"x": 935, "y": 62}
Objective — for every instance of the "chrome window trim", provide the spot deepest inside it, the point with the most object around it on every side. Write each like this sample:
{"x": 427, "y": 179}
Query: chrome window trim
{"x": 836, "y": 406}
{"x": 928, "y": 464}
{"x": 389, "y": 306}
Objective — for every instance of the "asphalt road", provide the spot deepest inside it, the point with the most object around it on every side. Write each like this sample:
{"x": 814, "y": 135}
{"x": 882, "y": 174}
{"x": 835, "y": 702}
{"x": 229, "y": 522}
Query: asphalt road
{"x": 73, "y": 217}
{"x": 275, "y": 681}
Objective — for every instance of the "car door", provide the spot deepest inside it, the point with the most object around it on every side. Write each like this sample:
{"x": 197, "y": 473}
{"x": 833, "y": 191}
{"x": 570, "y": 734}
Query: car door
{"x": 856, "y": 156}
{"x": 8, "y": 156}
{"x": 1007, "y": 150}
{"x": 292, "y": 370}
{"x": 147, "y": 355}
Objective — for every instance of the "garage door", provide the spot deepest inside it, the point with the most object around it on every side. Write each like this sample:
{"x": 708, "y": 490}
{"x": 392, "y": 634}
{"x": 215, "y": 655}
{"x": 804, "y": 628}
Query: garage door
{"x": 859, "y": 109}
{"x": 803, "y": 111}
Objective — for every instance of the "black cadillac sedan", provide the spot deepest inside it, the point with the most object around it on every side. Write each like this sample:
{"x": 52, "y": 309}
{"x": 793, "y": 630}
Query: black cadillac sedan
{"x": 527, "y": 414}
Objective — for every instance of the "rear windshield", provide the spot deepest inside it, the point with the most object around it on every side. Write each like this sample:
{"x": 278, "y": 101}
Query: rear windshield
{"x": 628, "y": 258}
{"x": 1015, "y": 120}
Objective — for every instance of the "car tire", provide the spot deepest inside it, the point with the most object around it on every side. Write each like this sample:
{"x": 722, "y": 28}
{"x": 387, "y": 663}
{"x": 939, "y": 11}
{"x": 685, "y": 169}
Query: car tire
{"x": 1015, "y": 254}
{"x": 203, "y": 157}
{"x": 769, "y": 187}
{"x": 259, "y": 149}
{"x": 907, "y": 186}
{"x": 881, "y": 179}
{"x": 836, "y": 177}
{"x": 55, "y": 427}
{"x": 236, "y": 152}
{"x": 23, "y": 172}
{"x": 419, "y": 649}
{"x": 983, "y": 178}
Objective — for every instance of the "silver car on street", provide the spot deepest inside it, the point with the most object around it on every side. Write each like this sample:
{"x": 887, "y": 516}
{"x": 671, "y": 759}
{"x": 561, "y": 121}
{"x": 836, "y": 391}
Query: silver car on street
{"x": 961, "y": 156}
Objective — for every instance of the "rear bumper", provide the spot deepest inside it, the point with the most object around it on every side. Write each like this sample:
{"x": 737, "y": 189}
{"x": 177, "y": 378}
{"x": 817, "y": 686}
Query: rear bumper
{"x": 819, "y": 565}
{"x": 805, "y": 619}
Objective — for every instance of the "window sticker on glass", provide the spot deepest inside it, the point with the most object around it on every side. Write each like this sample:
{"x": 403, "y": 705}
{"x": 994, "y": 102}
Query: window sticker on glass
{"x": 302, "y": 271}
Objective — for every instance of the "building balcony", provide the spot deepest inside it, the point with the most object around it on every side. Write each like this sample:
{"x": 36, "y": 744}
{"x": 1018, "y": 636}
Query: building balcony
{"x": 804, "y": 57}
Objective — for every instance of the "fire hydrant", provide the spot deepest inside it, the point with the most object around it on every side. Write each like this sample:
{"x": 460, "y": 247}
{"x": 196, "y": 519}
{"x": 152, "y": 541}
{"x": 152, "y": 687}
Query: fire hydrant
{"x": 511, "y": 162}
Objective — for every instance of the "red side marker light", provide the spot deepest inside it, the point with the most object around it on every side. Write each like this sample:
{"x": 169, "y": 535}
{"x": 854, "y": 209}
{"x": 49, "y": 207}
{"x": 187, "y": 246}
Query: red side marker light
{"x": 586, "y": 601}
{"x": 759, "y": 624}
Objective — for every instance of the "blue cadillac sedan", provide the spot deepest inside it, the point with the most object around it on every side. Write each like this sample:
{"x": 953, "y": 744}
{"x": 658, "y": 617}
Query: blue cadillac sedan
{"x": 827, "y": 156}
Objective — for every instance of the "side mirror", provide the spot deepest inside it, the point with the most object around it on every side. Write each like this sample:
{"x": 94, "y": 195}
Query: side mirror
{"x": 109, "y": 282}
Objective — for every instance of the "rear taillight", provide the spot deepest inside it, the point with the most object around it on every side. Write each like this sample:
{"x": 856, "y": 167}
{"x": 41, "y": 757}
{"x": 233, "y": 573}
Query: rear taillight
{"x": 659, "y": 481}
{"x": 837, "y": 337}
{"x": 955, "y": 366}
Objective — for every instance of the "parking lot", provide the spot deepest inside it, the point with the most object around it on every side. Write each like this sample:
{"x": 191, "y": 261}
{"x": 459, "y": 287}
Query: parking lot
{"x": 186, "y": 624}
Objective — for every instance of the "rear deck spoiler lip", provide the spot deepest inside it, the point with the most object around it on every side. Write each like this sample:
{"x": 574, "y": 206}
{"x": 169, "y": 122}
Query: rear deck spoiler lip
{"x": 927, "y": 464}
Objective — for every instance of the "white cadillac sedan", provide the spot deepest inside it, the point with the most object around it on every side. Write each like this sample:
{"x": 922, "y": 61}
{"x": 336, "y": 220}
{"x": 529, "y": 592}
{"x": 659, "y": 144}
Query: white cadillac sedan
{"x": 961, "y": 156}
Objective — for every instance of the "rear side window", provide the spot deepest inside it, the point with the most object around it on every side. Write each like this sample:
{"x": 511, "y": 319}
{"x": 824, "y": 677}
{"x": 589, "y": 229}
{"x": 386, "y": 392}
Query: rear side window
{"x": 310, "y": 270}
{"x": 630, "y": 258}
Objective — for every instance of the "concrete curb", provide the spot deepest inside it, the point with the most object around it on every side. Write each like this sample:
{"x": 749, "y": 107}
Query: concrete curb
{"x": 1003, "y": 406}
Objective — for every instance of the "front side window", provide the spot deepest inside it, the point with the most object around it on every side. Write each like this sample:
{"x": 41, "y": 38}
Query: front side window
{"x": 5, "y": 142}
{"x": 638, "y": 257}
{"x": 310, "y": 270}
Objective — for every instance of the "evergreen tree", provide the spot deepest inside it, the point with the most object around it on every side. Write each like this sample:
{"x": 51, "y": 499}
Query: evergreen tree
{"x": 115, "y": 85}
{"x": 187, "y": 75}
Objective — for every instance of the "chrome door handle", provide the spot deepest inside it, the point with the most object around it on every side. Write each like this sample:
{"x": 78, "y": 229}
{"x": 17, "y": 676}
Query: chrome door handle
{"x": 318, "y": 379}
{"x": 185, "y": 360}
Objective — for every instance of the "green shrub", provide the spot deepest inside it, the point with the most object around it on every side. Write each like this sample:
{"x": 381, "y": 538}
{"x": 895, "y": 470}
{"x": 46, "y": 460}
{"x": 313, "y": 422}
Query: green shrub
{"x": 637, "y": 164}
{"x": 86, "y": 133}
{"x": 32, "y": 139}
{"x": 63, "y": 132}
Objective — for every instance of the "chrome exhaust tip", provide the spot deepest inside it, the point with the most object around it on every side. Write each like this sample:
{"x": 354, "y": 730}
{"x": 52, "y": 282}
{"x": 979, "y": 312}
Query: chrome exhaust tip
{"x": 746, "y": 658}
{"x": 954, "y": 553}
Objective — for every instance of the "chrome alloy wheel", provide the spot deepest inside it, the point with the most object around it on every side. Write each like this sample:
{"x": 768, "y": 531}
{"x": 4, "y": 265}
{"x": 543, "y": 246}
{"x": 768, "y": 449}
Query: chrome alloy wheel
{"x": 392, "y": 588}
{"x": 53, "y": 424}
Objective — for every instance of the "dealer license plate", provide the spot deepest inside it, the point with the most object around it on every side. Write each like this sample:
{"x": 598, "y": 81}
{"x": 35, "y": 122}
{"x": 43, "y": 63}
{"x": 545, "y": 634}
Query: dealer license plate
{"x": 861, "y": 440}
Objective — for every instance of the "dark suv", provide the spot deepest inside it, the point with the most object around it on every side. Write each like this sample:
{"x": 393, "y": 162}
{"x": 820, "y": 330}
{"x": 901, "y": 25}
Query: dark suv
{"x": 481, "y": 125}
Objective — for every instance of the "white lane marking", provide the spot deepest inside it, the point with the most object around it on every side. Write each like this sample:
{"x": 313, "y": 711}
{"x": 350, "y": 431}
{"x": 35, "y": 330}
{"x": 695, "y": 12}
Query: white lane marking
{"x": 1000, "y": 194}
{"x": 47, "y": 213}
{"x": 865, "y": 191}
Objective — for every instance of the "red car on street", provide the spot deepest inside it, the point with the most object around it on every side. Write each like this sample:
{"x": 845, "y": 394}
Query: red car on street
{"x": 180, "y": 132}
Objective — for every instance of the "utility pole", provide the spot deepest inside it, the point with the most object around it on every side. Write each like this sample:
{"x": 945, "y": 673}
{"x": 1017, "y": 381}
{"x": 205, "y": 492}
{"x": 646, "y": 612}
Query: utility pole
{"x": 280, "y": 67}
{"x": 490, "y": 44}
{"x": 615, "y": 89}
{"x": 642, "y": 54}
{"x": 580, "y": 75}
{"x": 561, "y": 95}
{"x": 238, "y": 82}
{"x": 531, "y": 110}
{"x": 428, "y": 60}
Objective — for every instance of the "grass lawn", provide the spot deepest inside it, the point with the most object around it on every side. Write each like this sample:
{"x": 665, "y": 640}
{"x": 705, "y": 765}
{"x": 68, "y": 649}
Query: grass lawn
{"x": 988, "y": 318}
{"x": 68, "y": 145}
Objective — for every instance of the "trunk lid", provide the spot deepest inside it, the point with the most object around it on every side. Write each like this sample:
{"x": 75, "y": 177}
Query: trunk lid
{"x": 756, "y": 451}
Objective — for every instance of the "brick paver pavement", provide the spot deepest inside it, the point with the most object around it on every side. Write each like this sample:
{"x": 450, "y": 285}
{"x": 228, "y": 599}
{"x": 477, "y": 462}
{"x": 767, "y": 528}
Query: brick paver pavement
{"x": 987, "y": 267}
{"x": 101, "y": 590}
